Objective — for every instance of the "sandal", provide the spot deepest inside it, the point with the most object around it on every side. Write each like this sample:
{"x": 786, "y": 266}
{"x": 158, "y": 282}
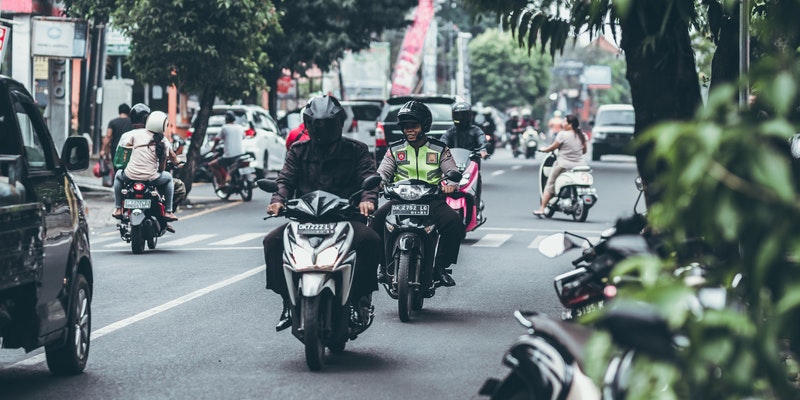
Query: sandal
{"x": 170, "y": 216}
{"x": 117, "y": 213}
{"x": 538, "y": 213}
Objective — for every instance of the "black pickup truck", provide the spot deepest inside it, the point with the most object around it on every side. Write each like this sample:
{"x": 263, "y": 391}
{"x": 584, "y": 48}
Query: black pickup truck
{"x": 45, "y": 263}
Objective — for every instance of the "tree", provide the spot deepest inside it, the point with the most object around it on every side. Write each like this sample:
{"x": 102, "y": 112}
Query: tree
{"x": 318, "y": 32}
{"x": 209, "y": 47}
{"x": 493, "y": 55}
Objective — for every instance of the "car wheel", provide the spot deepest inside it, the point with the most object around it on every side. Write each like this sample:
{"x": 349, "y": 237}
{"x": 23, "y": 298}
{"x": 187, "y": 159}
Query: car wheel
{"x": 596, "y": 155}
{"x": 70, "y": 357}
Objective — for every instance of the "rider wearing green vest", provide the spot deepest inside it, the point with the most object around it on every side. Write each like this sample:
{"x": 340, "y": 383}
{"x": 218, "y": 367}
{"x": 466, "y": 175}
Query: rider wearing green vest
{"x": 420, "y": 157}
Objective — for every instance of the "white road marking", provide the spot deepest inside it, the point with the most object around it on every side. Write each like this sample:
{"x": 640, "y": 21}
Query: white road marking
{"x": 153, "y": 311}
{"x": 188, "y": 240}
{"x": 492, "y": 240}
{"x": 500, "y": 172}
{"x": 516, "y": 167}
{"x": 238, "y": 239}
{"x": 536, "y": 241}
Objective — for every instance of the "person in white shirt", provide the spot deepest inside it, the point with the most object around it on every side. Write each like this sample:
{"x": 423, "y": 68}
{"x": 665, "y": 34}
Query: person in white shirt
{"x": 231, "y": 136}
{"x": 150, "y": 150}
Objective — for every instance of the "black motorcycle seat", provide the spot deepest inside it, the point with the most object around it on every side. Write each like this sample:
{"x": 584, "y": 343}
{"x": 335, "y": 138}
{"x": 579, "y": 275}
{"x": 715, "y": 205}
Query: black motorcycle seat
{"x": 571, "y": 335}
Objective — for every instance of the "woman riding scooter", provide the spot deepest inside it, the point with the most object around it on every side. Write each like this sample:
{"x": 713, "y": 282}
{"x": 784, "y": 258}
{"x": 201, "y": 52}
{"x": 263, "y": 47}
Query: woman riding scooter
{"x": 571, "y": 145}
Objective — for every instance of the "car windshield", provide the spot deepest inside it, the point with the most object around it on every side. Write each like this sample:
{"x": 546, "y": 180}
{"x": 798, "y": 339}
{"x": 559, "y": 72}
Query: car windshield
{"x": 616, "y": 117}
{"x": 440, "y": 112}
{"x": 217, "y": 118}
{"x": 366, "y": 112}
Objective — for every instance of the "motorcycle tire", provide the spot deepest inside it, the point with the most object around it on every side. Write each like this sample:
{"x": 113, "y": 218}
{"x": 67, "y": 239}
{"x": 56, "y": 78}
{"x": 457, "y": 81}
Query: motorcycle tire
{"x": 549, "y": 212}
{"x": 581, "y": 212}
{"x": 247, "y": 190}
{"x": 338, "y": 347}
{"x": 220, "y": 192}
{"x": 405, "y": 291}
{"x": 313, "y": 315}
{"x": 152, "y": 242}
{"x": 137, "y": 240}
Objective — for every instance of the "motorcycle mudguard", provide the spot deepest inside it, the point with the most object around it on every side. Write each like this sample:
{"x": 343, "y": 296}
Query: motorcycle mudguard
{"x": 137, "y": 216}
{"x": 407, "y": 242}
{"x": 313, "y": 283}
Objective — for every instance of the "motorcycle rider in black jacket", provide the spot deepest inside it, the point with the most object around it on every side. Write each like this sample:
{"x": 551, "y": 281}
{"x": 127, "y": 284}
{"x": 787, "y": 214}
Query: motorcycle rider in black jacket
{"x": 465, "y": 135}
{"x": 336, "y": 165}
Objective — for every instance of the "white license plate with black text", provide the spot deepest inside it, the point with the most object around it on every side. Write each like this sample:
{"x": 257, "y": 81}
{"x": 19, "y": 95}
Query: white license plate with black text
{"x": 316, "y": 229}
{"x": 410, "y": 209}
{"x": 137, "y": 203}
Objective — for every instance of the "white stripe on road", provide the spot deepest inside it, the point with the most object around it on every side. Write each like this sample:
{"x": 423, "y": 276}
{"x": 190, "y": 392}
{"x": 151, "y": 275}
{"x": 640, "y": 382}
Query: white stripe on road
{"x": 227, "y": 248}
{"x": 154, "y": 311}
{"x": 188, "y": 240}
{"x": 492, "y": 240}
{"x": 516, "y": 167}
{"x": 500, "y": 172}
{"x": 96, "y": 240}
{"x": 238, "y": 239}
{"x": 536, "y": 241}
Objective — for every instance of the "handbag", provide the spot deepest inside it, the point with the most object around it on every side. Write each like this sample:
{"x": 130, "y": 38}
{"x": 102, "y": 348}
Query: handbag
{"x": 107, "y": 172}
{"x": 122, "y": 156}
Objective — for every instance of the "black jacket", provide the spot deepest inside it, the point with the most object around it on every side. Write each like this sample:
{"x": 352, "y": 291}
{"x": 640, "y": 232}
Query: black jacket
{"x": 340, "y": 171}
{"x": 472, "y": 138}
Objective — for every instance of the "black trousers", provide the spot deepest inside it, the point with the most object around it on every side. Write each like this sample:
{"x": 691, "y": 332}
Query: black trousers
{"x": 366, "y": 242}
{"x": 448, "y": 223}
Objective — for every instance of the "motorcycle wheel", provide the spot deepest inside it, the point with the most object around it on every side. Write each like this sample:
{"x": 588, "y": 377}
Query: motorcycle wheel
{"x": 152, "y": 242}
{"x": 581, "y": 212}
{"x": 220, "y": 192}
{"x": 247, "y": 190}
{"x": 337, "y": 348}
{"x": 405, "y": 292}
{"x": 137, "y": 240}
{"x": 313, "y": 314}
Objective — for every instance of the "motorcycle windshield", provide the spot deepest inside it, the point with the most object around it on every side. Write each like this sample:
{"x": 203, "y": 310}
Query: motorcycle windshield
{"x": 318, "y": 204}
{"x": 461, "y": 157}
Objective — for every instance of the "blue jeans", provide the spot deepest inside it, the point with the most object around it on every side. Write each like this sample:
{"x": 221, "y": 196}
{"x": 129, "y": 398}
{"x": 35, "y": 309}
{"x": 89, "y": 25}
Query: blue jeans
{"x": 163, "y": 182}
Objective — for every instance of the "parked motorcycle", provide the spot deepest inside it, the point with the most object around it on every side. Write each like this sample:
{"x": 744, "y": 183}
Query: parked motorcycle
{"x": 574, "y": 192}
{"x": 142, "y": 219}
{"x": 410, "y": 239}
{"x": 464, "y": 199}
{"x": 202, "y": 172}
{"x": 242, "y": 179}
{"x": 319, "y": 265}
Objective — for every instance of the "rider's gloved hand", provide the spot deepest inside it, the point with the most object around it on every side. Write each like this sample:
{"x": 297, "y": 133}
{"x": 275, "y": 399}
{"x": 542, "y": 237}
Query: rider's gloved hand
{"x": 366, "y": 207}
{"x": 484, "y": 154}
{"x": 274, "y": 208}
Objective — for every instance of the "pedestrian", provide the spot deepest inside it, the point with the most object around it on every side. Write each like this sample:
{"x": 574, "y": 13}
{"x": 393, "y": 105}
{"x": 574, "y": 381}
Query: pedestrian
{"x": 116, "y": 127}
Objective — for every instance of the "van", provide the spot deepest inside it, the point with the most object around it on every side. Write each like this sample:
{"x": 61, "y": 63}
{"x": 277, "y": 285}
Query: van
{"x": 612, "y": 130}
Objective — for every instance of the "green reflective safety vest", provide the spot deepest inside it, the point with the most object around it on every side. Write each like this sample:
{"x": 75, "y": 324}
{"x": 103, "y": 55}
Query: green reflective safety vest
{"x": 422, "y": 163}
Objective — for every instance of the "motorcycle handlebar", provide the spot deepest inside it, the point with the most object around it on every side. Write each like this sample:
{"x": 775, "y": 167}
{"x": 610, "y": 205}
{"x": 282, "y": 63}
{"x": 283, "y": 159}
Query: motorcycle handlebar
{"x": 585, "y": 257}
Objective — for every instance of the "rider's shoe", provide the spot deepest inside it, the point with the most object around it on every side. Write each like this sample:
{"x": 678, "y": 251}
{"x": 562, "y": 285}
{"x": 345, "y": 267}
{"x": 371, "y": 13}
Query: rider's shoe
{"x": 285, "y": 319}
{"x": 442, "y": 277}
{"x": 361, "y": 316}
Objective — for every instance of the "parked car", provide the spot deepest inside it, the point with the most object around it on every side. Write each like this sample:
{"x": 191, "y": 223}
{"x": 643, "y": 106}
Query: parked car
{"x": 612, "y": 130}
{"x": 263, "y": 139}
{"x": 46, "y": 277}
{"x": 289, "y": 121}
{"x": 388, "y": 131}
{"x": 362, "y": 119}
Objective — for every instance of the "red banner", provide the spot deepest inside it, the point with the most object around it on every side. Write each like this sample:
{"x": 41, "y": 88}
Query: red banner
{"x": 410, "y": 57}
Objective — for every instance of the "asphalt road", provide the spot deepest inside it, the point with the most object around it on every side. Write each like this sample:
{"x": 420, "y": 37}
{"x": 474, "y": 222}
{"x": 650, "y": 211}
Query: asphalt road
{"x": 191, "y": 319}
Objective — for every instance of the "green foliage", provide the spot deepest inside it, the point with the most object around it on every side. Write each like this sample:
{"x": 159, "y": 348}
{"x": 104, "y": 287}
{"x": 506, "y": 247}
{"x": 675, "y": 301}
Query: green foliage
{"x": 199, "y": 45}
{"x": 503, "y": 75}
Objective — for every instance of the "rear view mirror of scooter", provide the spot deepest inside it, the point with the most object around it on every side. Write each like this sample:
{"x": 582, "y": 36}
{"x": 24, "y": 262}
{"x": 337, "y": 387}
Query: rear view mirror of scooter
{"x": 267, "y": 185}
{"x": 556, "y": 244}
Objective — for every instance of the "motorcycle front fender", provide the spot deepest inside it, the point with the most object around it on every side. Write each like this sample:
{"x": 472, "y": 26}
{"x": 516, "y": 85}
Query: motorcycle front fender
{"x": 137, "y": 217}
{"x": 456, "y": 203}
{"x": 313, "y": 283}
{"x": 407, "y": 242}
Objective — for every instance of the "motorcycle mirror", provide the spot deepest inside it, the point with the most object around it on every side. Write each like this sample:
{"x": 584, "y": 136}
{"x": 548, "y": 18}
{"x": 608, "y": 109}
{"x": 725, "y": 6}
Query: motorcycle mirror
{"x": 453, "y": 176}
{"x": 639, "y": 183}
{"x": 267, "y": 185}
{"x": 554, "y": 245}
{"x": 371, "y": 182}
{"x": 795, "y": 145}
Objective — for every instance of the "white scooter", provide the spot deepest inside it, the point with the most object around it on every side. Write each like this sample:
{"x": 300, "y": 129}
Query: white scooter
{"x": 574, "y": 192}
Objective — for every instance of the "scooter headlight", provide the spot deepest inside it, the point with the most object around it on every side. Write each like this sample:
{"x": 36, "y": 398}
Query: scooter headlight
{"x": 464, "y": 179}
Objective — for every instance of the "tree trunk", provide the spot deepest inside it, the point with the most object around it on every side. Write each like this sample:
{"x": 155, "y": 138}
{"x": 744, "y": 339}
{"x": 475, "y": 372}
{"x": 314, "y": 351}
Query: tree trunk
{"x": 725, "y": 64}
{"x": 662, "y": 75}
{"x": 198, "y": 137}
{"x": 272, "y": 80}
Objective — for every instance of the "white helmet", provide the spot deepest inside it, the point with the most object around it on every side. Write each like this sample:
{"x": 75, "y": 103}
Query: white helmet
{"x": 157, "y": 122}
{"x": 526, "y": 112}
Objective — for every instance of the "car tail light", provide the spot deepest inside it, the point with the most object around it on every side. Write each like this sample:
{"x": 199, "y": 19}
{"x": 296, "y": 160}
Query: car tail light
{"x": 380, "y": 135}
{"x": 250, "y": 132}
{"x": 353, "y": 126}
{"x": 138, "y": 186}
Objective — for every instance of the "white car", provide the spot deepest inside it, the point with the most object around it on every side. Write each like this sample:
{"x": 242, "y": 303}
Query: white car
{"x": 261, "y": 135}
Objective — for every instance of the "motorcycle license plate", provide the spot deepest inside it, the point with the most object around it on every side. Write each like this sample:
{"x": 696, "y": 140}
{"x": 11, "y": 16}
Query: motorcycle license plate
{"x": 410, "y": 209}
{"x": 315, "y": 229}
{"x": 137, "y": 203}
{"x": 246, "y": 170}
{"x": 581, "y": 311}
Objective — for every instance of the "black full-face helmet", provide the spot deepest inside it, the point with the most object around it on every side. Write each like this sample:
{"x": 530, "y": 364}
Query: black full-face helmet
{"x": 324, "y": 118}
{"x": 415, "y": 111}
{"x": 462, "y": 113}
{"x": 230, "y": 116}
{"x": 139, "y": 114}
